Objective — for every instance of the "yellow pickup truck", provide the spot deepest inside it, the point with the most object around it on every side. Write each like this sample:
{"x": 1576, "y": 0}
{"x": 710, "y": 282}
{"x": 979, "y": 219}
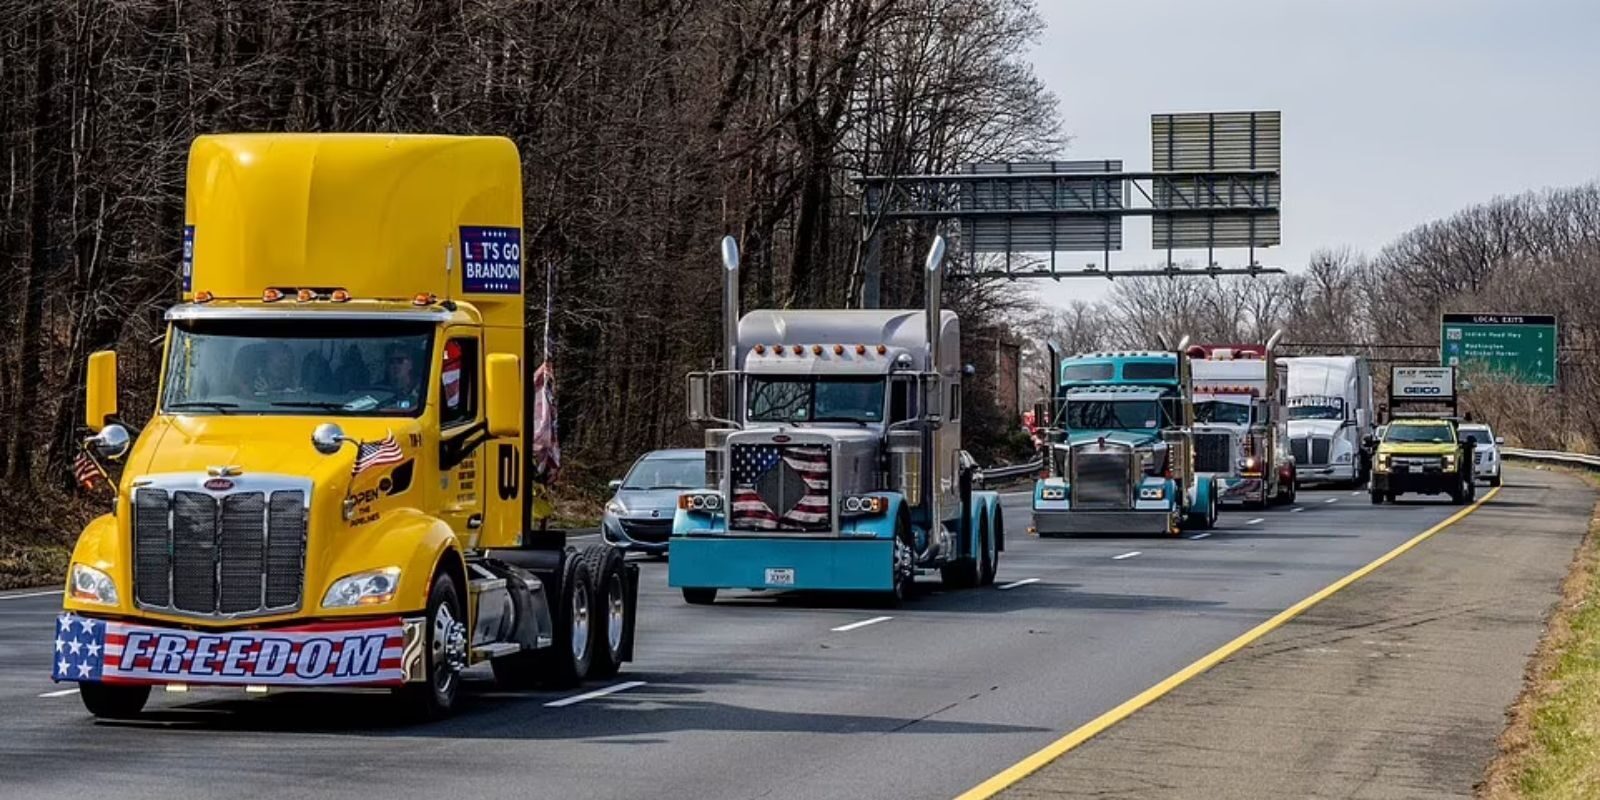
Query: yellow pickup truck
{"x": 1422, "y": 456}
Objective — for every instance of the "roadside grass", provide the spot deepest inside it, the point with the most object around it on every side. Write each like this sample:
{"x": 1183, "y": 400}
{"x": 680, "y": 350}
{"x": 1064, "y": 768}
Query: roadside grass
{"x": 1550, "y": 749}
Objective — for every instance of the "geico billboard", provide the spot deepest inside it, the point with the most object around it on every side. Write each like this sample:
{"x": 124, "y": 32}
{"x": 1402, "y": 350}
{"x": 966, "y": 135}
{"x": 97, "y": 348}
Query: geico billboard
{"x": 1423, "y": 383}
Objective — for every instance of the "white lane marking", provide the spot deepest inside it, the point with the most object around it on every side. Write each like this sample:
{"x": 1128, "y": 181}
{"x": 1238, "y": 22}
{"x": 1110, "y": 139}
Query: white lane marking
{"x": 862, "y": 624}
{"x": 60, "y": 693}
{"x": 1125, "y": 555}
{"x": 30, "y": 594}
{"x": 1331, "y": 500}
{"x": 1199, "y": 535}
{"x": 1355, "y": 493}
{"x": 578, "y": 698}
{"x": 1298, "y": 509}
{"x": 1023, "y": 582}
{"x": 1256, "y": 521}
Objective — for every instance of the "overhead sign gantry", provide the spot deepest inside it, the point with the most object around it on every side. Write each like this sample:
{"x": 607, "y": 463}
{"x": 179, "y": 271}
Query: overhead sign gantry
{"x": 1215, "y": 183}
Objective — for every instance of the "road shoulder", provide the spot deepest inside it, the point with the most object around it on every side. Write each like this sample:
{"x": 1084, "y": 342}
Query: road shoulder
{"x": 1395, "y": 687}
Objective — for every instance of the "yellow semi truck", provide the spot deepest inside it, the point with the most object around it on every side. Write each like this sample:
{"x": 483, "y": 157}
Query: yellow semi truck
{"x": 334, "y": 489}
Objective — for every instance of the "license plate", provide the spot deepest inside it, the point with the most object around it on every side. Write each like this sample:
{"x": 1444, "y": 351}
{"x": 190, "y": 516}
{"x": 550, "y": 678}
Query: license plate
{"x": 780, "y": 577}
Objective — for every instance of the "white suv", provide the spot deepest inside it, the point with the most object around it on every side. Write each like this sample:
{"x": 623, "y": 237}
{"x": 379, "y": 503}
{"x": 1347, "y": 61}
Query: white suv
{"x": 1486, "y": 456}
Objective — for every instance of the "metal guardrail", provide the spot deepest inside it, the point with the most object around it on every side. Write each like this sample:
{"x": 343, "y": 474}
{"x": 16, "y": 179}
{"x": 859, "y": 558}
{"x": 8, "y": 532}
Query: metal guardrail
{"x": 1553, "y": 456}
{"x": 992, "y": 475}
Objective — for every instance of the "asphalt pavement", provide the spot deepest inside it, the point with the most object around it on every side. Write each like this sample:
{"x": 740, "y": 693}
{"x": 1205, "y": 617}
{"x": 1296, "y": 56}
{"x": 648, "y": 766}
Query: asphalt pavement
{"x": 761, "y": 695}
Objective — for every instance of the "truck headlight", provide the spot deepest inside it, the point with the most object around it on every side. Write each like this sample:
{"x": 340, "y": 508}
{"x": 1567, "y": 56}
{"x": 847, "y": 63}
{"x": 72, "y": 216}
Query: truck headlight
{"x": 1247, "y": 463}
{"x": 1053, "y": 493}
{"x": 1154, "y": 493}
{"x": 370, "y": 588}
{"x": 1342, "y": 458}
{"x": 93, "y": 586}
{"x": 700, "y": 501}
{"x": 857, "y": 506}
{"x": 1449, "y": 463}
{"x": 1383, "y": 462}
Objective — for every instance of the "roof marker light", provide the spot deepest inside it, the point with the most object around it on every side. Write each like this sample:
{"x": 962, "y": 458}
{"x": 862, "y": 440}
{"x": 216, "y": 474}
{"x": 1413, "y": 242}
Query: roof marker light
{"x": 340, "y": 296}
{"x": 882, "y": 349}
{"x": 424, "y": 299}
{"x": 204, "y": 297}
{"x": 271, "y": 295}
{"x": 798, "y": 349}
{"x": 838, "y": 349}
{"x": 305, "y": 296}
{"x": 761, "y": 349}
{"x": 861, "y": 349}
{"x": 816, "y": 349}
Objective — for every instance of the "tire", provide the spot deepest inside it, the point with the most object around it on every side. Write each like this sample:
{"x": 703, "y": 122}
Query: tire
{"x": 985, "y": 564}
{"x": 991, "y": 553}
{"x": 1494, "y": 480}
{"x": 699, "y": 597}
{"x": 1206, "y": 519}
{"x": 903, "y": 572}
{"x": 113, "y": 702}
{"x": 559, "y": 666}
{"x": 1458, "y": 496}
{"x": 444, "y": 653}
{"x": 1390, "y": 496}
{"x": 610, "y": 604}
{"x": 1377, "y": 497}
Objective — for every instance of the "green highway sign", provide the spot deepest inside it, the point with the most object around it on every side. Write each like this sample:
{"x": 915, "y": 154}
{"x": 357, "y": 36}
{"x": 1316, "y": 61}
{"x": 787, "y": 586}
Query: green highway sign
{"x": 1521, "y": 347}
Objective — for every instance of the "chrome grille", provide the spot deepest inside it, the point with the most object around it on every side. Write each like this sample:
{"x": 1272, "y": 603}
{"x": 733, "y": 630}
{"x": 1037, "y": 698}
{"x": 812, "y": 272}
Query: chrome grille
{"x": 211, "y": 554}
{"x": 1300, "y": 448}
{"x": 1102, "y": 478}
{"x": 655, "y": 531}
{"x": 1320, "y": 445}
{"x": 1213, "y": 452}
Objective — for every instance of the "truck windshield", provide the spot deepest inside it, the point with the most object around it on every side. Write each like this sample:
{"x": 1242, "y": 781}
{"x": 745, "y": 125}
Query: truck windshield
{"x": 1222, "y": 412}
{"x": 1401, "y": 433}
{"x": 1113, "y": 414}
{"x": 816, "y": 400}
{"x": 1316, "y": 408}
{"x": 301, "y": 366}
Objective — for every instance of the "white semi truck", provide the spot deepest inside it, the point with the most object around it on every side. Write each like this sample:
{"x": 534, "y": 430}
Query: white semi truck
{"x": 1331, "y": 413}
{"x": 1239, "y": 423}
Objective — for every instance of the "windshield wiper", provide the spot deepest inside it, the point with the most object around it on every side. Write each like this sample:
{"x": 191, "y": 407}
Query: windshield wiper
{"x": 214, "y": 405}
{"x": 320, "y": 404}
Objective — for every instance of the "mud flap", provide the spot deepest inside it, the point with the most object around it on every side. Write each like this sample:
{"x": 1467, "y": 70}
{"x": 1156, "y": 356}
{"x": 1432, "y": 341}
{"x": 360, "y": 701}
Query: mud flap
{"x": 630, "y": 589}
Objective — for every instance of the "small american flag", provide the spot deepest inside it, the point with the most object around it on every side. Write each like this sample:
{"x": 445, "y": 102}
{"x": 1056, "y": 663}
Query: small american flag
{"x": 85, "y": 471}
{"x": 377, "y": 454}
{"x": 795, "y": 479}
{"x": 80, "y": 649}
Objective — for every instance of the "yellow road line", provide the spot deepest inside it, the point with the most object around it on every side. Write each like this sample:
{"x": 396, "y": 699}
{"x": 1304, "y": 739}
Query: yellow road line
{"x": 1094, "y": 727}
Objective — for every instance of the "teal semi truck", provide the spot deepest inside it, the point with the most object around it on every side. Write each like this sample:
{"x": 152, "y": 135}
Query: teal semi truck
{"x": 836, "y": 460}
{"x": 1119, "y": 448}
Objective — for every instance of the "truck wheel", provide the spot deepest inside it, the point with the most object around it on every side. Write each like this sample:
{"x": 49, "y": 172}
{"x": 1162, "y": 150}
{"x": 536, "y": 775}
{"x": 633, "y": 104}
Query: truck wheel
{"x": 991, "y": 549}
{"x": 444, "y": 653}
{"x": 1377, "y": 497}
{"x": 1494, "y": 480}
{"x": 1458, "y": 496}
{"x": 113, "y": 702}
{"x": 699, "y": 597}
{"x": 565, "y": 663}
{"x": 610, "y": 606}
{"x": 1205, "y": 518}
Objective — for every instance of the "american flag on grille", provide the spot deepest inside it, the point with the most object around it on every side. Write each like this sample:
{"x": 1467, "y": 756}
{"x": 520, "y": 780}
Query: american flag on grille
{"x": 85, "y": 471}
{"x": 795, "y": 478}
{"x": 377, "y": 454}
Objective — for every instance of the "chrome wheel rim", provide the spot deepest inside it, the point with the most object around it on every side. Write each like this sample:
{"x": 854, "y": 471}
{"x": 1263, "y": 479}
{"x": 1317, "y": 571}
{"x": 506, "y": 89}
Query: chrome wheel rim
{"x": 616, "y": 611}
{"x": 580, "y": 623}
{"x": 448, "y": 648}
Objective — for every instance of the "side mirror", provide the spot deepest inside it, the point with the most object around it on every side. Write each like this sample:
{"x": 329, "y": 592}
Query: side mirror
{"x": 503, "y": 379}
{"x": 328, "y": 437}
{"x": 112, "y": 442}
{"x": 1499, "y": 440}
{"x": 699, "y": 397}
{"x": 933, "y": 399}
{"x": 969, "y": 370}
{"x": 100, "y": 397}
{"x": 1041, "y": 414}
{"x": 614, "y": 484}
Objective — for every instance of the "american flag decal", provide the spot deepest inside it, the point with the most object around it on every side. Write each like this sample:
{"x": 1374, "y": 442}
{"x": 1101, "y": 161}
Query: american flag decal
{"x": 780, "y": 488}
{"x": 377, "y": 454}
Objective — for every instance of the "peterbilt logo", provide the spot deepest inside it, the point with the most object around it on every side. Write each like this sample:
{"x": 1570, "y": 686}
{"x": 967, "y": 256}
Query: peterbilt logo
{"x": 218, "y": 485}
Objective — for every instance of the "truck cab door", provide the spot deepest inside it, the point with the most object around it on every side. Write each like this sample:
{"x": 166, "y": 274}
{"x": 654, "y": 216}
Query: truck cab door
{"x": 462, "y": 433}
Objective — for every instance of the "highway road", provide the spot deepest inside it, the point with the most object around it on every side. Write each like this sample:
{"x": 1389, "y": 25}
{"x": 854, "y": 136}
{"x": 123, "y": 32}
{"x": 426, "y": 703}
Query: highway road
{"x": 758, "y": 696}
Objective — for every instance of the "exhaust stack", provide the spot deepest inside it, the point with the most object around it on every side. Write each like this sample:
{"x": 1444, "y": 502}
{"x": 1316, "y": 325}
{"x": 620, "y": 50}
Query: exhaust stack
{"x": 730, "y": 320}
{"x": 931, "y": 307}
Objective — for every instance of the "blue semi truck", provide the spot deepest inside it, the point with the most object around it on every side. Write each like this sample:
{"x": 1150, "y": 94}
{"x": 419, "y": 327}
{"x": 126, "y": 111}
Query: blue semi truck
{"x": 1119, "y": 448}
{"x": 835, "y": 462}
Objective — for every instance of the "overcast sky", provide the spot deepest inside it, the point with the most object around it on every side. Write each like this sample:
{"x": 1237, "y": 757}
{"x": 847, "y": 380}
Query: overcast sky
{"x": 1395, "y": 112}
